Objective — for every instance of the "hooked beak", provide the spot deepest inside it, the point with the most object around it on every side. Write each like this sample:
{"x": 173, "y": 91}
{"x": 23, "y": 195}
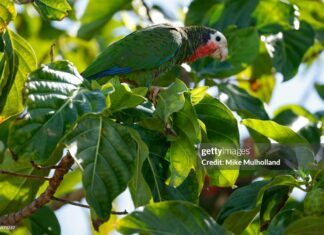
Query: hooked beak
{"x": 220, "y": 54}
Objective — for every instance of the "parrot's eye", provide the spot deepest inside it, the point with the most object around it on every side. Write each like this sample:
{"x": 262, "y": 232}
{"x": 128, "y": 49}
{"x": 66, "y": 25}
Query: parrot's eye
{"x": 218, "y": 38}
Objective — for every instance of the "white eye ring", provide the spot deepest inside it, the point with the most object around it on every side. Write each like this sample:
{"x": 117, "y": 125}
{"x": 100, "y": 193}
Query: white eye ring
{"x": 218, "y": 38}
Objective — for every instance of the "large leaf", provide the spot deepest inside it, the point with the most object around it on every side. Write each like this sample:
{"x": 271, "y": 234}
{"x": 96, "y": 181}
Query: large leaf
{"x": 170, "y": 100}
{"x": 284, "y": 135}
{"x": 234, "y": 13}
{"x": 20, "y": 60}
{"x": 106, "y": 152}
{"x": 53, "y": 10}
{"x": 172, "y": 217}
{"x": 221, "y": 127}
{"x": 244, "y": 203}
{"x": 243, "y": 49}
{"x": 307, "y": 225}
{"x": 272, "y": 202}
{"x": 243, "y": 103}
{"x": 182, "y": 153}
{"x": 282, "y": 220}
{"x": 139, "y": 189}
{"x": 282, "y": 16}
{"x": 56, "y": 98}
{"x": 7, "y": 13}
{"x": 199, "y": 11}
{"x": 97, "y": 14}
{"x": 44, "y": 221}
{"x": 287, "y": 49}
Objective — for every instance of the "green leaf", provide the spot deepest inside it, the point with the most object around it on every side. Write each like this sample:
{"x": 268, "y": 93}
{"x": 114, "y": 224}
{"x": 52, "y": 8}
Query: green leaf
{"x": 44, "y": 221}
{"x": 235, "y": 13}
{"x": 245, "y": 202}
{"x": 182, "y": 153}
{"x": 272, "y": 202}
{"x": 282, "y": 220}
{"x": 106, "y": 152}
{"x": 243, "y": 103}
{"x": 172, "y": 217}
{"x": 284, "y": 135}
{"x": 156, "y": 171}
{"x": 272, "y": 130}
{"x": 20, "y": 60}
{"x": 320, "y": 90}
{"x": 198, "y": 93}
{"x": 124, "y": 98}
{"x": 259, "y": 79}
{"x": 53, "y": 10}
{"x": 7, "y": 14}
{"x": 287, "y": 49}
{"x": 97, "y": 14}
{"x": 139, "y": 189}
{"x": 243, "y": 49}
{"x": 282, "y": 15}
{"x": 56, "y": 98}
{"x": 306, "y": 225}
{"x": 222, "y": 129}
{"x": 170, "y": 100}
{"x": 200, "y": 11}
{"x": 17, "y": 192}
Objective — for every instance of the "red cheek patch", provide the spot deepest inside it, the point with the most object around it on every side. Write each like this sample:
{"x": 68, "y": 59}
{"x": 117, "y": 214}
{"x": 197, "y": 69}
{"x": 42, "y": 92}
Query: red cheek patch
{"x": 204, "y": 50}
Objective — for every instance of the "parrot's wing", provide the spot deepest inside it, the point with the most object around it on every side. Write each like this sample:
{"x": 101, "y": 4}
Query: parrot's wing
{"x": 145, "y": 49}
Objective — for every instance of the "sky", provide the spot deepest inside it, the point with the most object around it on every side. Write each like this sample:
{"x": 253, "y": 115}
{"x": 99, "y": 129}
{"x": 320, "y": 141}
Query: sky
{"x": 75, "y": 220}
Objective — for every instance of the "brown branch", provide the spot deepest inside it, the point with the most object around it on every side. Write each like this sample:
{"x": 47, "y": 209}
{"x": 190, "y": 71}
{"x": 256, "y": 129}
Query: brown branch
{"x": 39, "y": 167}
{"x": 148, "y": 11}
{"x": 34, "y": 177}
{"x": 54, "y": 182}
{"x": 119, "y": 212}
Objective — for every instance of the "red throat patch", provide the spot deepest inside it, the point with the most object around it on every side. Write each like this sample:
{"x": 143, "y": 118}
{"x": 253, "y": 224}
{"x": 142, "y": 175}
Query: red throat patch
{"x": 204, "y": 50}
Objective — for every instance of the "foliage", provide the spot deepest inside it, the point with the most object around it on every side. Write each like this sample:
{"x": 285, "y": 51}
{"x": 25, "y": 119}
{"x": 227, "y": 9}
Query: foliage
{"x": 121, "y": 139}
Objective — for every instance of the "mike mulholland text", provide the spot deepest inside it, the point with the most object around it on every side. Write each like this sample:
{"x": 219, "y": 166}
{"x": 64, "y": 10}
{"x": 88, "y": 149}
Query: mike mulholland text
{"x": 244, "y": 162}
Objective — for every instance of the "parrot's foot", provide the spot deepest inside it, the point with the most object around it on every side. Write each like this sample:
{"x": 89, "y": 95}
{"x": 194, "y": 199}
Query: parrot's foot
{"x": 153, "y": 93}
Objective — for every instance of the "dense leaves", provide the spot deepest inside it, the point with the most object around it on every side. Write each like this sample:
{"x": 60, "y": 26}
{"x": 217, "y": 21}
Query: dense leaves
{"x": 55, "y": 99}
{"x": 169, "y": 218}
{"x": 148, "y": 140}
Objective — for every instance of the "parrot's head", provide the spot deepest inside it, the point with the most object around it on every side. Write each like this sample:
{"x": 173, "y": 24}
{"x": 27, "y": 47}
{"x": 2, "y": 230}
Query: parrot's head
{"x": 206, "y": 42}
{"x": 221, "y": 51}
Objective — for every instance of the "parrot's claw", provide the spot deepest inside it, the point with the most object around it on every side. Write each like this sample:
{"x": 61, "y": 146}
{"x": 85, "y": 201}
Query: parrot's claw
{"x": 153, "y": 94}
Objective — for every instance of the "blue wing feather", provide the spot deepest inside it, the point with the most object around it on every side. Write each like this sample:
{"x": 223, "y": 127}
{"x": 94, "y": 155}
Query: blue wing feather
{"x": 110, "y": 72}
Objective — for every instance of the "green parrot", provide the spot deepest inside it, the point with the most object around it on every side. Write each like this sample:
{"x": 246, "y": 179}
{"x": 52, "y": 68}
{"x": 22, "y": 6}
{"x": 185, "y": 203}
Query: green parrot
{"x": 146, "y": 54}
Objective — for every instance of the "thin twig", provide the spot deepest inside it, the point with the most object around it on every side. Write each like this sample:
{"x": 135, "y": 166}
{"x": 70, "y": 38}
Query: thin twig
{"x": 54, "y": 182}
{"x": 35, "y": 177}
{"x": 77, "y": 196}
{"x": 52, "y": 52}
{"x": 119, "y": 212}
{"x": 148, "y": 11}
{"x": 38, "y": 167}
{"x": 69, "y": 202}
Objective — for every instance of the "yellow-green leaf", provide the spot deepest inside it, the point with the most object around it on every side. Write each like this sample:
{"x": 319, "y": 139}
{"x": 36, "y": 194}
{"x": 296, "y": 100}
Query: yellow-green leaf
{"x": 7, "y": 13}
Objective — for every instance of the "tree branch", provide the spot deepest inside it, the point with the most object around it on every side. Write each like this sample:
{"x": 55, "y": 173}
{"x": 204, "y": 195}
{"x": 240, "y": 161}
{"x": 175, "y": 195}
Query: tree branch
{"x": 148, "y": 11}
{"x": 54, "y": 182}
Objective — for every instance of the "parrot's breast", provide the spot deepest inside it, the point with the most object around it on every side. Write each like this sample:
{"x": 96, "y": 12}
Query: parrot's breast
{"x": 204, "y": 50}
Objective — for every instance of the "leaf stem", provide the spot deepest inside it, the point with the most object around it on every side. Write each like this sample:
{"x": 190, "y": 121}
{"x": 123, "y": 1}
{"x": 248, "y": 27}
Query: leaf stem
{"x": 36, "y": 177}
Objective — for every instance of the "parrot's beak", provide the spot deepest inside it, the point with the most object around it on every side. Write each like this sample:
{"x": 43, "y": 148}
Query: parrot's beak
{"x": 221, "y": 53}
